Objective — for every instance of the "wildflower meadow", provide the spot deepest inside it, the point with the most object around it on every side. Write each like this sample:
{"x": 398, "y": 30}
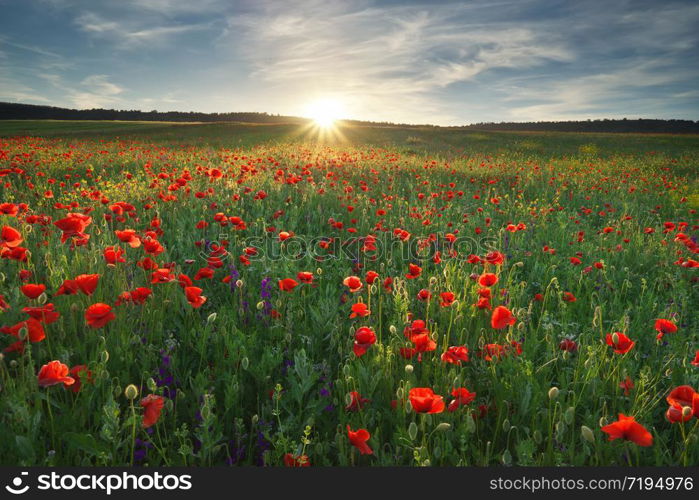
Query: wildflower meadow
{"x": 212, "y": 295}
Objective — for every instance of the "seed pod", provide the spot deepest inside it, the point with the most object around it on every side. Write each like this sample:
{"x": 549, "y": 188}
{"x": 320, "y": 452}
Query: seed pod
{"x": 587, "y": 434}
{"x": 412, "y": 430}
{"x": 131, "y": 392}
{"x": 615, "y": 338}
{"x": 409, "y": 369}
{"x": 443, "y": 427}
{"x": 553, "y": 393}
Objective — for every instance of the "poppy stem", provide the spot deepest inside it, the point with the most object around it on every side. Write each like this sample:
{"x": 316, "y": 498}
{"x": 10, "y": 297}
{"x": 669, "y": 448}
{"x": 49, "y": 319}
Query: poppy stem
{"x": 53, "y": 431}
{"x": 133, "y": 432}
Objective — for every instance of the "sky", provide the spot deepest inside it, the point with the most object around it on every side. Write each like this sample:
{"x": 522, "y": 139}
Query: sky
{"x": 443, "y": 63}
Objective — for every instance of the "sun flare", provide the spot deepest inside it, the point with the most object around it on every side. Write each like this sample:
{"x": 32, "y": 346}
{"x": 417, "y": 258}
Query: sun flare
{"x": 325, "y": 112}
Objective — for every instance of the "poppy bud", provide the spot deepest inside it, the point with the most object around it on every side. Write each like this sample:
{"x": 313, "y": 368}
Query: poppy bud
{"x": 553, "y": 393}
{"x": 412, "y": 430}
{"x": 152, "y": 386}
{"x": 13, "y": 363}
{"x": 408, "y": 369}
{"x": 443, "y": 427}
{"x": 211, "y": 318}
{"x": 239, "y": 283}
{"x": 615, "y": 338}
{"x": 2, "y": 277}
{"x": 569, "y": 414}
{"x": 260, "y": 305}
{"x": 254, "y": 419}
{"x": 104, "y": 356}
{"x": 470, "y": 425}
{"x": 245, "y": 362}
{"x": 587, "y": 434}
{"x": 392, "y": 329}
{"x": 506, "y": 425}
{"x": 507, "y": 458}
{"x": 603, "y": 421}
{"x": 319, "y": 270}
{"x": 42, "y": 299}
{"x": 131, "y": 392}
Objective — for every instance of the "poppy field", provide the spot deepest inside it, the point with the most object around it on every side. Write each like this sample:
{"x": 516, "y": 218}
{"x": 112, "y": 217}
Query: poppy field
{"x": 203, "y": 296}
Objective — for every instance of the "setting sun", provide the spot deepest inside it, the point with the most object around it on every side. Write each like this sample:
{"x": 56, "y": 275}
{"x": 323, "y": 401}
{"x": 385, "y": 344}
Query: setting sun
{"x": 325, "y": 112}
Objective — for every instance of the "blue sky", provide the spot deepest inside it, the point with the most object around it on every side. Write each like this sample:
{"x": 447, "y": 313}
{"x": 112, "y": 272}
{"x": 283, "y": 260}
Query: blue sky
{"x": 445, "y": 63}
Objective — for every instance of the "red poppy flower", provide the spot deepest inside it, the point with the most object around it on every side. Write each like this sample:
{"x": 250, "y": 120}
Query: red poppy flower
{"x": 360, "y": 309}
{"x": 46, "y": 313}
{"x": 73, "y": 226}
{"x": 455, "y": 355}
{"x": 114, "y": 255}
{"x": 424, "y": 294}
{"x": 462, "y": 397}
{"x": 447, "y": 299}
{"x": 413, "y": 271}
{"x": 98, "y": 315}
{"x": 371, "y": 276}
{"x": 287, "y": 284}
{"x": 204, "y": 273}
{"x": 664, "y": 326}
{"x": 502, "y": 318}
{"x": 364, "y": 338}
{"x": 32, "y": 290}
{"x": 620, "y": 342}
{"x": 627, "y": 428}
{"x": 695, "y": 361}
{"x": 153, "y": 405}
{"x": 128, "y": 236}
{"x": 495, "y": 258}
{"x": 424, "y": 400}
{"x": 305, "y": 277}
{"x": 568, "y": 345}
{"x": 194, "y": 296}
{"x": 357, "y": 402}
{"x": 34, "y": 328}
{"x": 627, "y": 385}
{"x": 11, "y": 238}
{"x": 358, "y": 439}
{"x": 487, "y": 279}
{"x": 54, "y": 373}
{"x": 69, "y": 287}
{"x": 568, "y": 297}
{"x": 353, "y": 283}
{"x": 162, "y": 276}
{"x": 299, "y": 461}
{"x": 87, "y": 283}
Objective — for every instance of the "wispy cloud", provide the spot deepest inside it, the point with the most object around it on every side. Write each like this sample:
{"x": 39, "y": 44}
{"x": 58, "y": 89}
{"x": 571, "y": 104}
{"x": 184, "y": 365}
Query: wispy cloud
{"x": 387, "y": 62}
{"x": 132, "y": 34}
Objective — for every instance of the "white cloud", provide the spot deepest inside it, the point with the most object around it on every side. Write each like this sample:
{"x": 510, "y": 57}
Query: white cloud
{"x": 386, "y": 63}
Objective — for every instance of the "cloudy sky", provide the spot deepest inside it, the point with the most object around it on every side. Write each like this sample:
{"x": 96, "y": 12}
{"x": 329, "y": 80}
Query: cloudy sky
{"x": 445, "y": 63}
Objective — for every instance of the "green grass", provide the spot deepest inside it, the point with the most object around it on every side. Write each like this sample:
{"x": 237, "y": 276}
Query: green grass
{"x": 257, "y": 372}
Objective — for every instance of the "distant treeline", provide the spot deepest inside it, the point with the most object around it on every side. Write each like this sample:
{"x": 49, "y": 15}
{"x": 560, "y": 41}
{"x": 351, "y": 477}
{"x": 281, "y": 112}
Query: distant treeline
{"x": 17, "y": 111}
{"x": 623, "y": 125}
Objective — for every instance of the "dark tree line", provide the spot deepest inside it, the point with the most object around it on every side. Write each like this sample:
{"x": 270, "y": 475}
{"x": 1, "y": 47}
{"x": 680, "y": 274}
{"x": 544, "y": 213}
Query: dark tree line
{"x": 17, "y": 111}
{"x": 624, "y": 125}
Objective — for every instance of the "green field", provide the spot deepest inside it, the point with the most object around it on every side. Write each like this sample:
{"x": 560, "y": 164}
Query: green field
{"x": 237, "y": 294}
